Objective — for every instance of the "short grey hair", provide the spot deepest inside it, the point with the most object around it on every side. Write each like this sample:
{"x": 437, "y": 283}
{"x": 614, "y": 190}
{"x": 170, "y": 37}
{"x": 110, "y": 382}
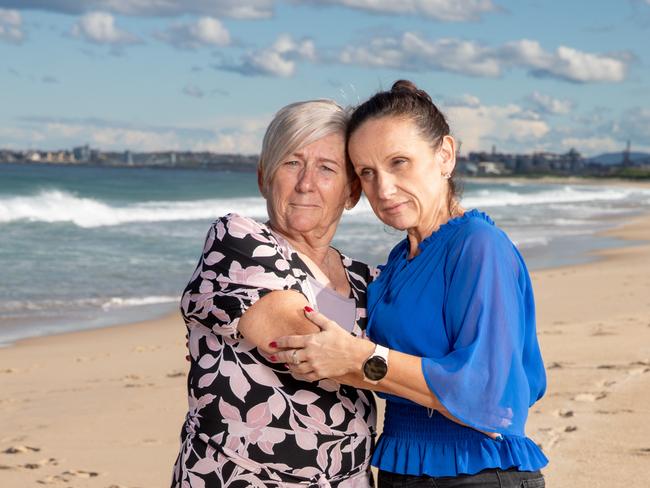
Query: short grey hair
{"x": 298, "y": 125}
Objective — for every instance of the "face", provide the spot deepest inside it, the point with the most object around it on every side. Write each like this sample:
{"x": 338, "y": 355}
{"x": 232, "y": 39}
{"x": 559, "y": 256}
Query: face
{"x": 401, "y": 173}
{"x": 311, "y": 187}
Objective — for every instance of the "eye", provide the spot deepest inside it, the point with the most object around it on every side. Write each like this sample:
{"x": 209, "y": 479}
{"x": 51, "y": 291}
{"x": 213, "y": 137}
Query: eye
{"x": 366, "y": 173}
{"x": 399, "y": 161}
{"x": 291, "y": 162}
{"x": 327, "y": 168}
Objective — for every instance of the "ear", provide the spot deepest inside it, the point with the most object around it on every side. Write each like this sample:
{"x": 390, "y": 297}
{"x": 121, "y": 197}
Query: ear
{"x": 355, "y": 193}
{"x": 260, "y": 181}
{"x": 447, "y": 153}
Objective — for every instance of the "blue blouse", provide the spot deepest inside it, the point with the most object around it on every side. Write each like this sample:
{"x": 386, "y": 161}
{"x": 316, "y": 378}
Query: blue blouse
{"x": 465, "y": 306}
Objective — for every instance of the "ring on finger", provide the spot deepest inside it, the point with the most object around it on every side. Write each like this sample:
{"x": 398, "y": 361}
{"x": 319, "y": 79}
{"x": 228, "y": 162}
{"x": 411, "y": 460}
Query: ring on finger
{"x": 294, "y": 357}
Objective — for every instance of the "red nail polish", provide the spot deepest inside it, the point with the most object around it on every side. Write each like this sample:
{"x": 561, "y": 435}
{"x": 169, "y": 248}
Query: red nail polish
{"x": 187, "y": 358}
{"x": 273, "y": 358}
{"x": 273, "y": 344}
{"x": 286, "y": 366}
{"x": 308, "y": 309}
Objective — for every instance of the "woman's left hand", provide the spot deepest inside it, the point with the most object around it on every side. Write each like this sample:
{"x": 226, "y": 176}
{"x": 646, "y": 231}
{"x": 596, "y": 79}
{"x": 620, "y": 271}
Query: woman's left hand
{"x": 327, "y": 354}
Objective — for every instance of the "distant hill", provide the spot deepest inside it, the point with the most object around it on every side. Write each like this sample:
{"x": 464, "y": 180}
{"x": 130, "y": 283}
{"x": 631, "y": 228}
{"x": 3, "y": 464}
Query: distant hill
{"x": 615, "y": 158}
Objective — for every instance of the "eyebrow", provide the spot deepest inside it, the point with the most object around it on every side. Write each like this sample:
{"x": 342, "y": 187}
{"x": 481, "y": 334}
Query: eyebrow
{"x": 401, "y": 154}
{"x": 302, "y": 156}
{"x": 392, "y": 155}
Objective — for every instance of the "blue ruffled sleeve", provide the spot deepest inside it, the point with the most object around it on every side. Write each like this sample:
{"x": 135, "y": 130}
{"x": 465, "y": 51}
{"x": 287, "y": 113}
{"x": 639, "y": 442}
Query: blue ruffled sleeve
{"x": 493, "y": 371}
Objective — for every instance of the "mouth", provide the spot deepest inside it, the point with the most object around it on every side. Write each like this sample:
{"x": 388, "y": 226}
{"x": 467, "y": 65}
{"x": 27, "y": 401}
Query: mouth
{"x": 394, "y": 208}
{"x": 303, "y": 205}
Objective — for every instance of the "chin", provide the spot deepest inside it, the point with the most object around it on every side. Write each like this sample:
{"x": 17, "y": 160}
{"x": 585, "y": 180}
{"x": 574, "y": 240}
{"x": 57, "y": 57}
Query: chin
{"x": 304, "y": 224}
{"x": 398, "y": 222}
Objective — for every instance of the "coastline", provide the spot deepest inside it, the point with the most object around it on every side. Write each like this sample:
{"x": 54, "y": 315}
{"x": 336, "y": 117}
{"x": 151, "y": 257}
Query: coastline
{"x": 559, "y": 180}
{"x": 104, "y": 407}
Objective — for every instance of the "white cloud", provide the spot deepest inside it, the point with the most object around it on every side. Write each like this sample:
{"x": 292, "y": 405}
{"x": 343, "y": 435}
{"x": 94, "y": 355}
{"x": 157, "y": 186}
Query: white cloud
{"x": 278, "y": 60}
{"x": 206, "y": 31}
{"x": 412, "y": 52}
{"x": 11, "y": 26}
{"x": 566, "y": 63}
{"x": 231, "y": 143}
{"x": 549, "y": 105}
{"x": 478, "y": 127}
{"x": 226, "y": 134}
{"x": 20, "y": 138}
{"x": 444, "y": 10}
{"x": 58, "y": 129}
{"x": 100, "y": 28}
{"x": 250, "y": 9}
{"x": 129, "y": 138}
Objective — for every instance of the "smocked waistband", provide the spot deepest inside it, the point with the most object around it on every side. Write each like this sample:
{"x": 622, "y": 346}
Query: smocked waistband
{"x": 409, "y": 421}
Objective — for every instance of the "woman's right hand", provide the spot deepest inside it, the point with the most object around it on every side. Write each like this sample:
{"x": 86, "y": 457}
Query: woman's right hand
{"x": 330, "y": 353}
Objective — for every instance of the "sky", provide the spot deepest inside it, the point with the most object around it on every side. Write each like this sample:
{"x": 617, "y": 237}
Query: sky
{"x": 208, "y": 75}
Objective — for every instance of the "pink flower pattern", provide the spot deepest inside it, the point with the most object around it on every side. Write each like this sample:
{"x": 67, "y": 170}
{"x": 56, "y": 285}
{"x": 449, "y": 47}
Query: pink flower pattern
{"x": 249, "y": 421}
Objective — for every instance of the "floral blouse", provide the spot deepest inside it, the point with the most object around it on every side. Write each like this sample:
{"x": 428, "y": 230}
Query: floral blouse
{"x": 250, "y": 422}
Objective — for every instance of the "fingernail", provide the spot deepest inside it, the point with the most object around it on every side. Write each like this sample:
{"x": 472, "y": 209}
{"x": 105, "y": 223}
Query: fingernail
{"x": 286, "y": 366}
{"x": 273, "y": 358}
{"x": 187, "y": 358}
{"x": 308, "y": 309}
{"x": 273, "y": 344}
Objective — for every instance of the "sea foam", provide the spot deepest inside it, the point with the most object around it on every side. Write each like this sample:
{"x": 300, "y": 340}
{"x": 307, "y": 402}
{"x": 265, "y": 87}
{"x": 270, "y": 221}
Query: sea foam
{"x": 57, "y": 206}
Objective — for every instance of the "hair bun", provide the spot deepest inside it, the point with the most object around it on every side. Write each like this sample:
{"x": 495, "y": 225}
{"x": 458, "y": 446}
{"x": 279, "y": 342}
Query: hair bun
{"x": 407, "y": 86}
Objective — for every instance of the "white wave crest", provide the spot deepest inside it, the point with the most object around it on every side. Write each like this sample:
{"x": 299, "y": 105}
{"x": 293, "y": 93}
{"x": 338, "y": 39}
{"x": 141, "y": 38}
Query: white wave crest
{"x": 17, "y": 308}
{"x": 118, "y": 302}
{"x": 58, "y": 206}
{"x": 567, "y": 194}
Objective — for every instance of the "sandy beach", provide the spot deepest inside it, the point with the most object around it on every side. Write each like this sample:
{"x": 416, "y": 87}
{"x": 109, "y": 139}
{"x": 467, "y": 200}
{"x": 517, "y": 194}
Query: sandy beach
{"x": 104, "y": 408}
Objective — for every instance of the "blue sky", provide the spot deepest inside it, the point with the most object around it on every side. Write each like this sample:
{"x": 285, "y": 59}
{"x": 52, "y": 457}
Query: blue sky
{"x": 149, "y": 75}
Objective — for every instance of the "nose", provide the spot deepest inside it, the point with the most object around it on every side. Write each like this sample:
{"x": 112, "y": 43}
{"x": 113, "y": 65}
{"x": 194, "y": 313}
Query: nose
{"x": 305, "y": 181}
{"x": 385, "y": 186}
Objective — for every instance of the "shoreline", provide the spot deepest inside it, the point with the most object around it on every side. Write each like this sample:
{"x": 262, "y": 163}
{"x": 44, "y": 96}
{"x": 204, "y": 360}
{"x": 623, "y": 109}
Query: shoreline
{"x": 103, "y": 407}
{"x": 559, "y": 180}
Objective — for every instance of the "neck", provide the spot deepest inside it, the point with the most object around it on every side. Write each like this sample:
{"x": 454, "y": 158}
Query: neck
{"x": 439, "y": 216}
{"x": 313, "y": 245}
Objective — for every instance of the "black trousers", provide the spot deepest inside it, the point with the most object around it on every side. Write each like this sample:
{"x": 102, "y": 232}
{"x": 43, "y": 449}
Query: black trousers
{"x": 488, "y": 478}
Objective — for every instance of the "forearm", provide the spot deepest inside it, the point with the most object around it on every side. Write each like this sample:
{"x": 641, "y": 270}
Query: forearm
{"x": 404, "y": 377}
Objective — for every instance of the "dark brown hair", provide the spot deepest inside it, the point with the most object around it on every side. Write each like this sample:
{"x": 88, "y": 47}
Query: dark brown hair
{"x": 406, "y": 100}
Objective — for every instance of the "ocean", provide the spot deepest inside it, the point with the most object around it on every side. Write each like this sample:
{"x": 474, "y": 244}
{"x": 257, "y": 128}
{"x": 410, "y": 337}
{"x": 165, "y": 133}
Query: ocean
{"x": 85, "y": 247}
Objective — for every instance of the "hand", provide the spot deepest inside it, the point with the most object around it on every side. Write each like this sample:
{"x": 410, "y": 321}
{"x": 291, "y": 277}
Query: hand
{"x": 330, "y": 353}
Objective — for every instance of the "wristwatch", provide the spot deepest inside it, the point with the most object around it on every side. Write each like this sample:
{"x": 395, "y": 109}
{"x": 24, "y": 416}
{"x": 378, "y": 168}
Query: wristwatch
{"x": 376, "y": 366}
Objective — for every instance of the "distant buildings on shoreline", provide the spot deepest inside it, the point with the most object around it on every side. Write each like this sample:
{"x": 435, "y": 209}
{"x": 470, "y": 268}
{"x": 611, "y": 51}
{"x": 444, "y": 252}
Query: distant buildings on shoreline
{"x": 492, "y": 164}
{"x": 85, "y": 155}
{"x": 571, "y": 163}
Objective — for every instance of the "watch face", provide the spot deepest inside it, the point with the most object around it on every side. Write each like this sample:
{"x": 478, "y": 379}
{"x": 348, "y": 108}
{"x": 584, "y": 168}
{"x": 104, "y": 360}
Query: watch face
{"x": 375, "y": 368}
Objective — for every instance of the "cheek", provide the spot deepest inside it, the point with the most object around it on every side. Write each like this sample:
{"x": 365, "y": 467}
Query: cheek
{"x": 333, "y": 187}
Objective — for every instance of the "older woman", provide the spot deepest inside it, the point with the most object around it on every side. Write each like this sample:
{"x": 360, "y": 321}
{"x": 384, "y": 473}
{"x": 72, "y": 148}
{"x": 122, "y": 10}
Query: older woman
{"x": 451, "y": 316}
{"x": 250, "y": 421}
